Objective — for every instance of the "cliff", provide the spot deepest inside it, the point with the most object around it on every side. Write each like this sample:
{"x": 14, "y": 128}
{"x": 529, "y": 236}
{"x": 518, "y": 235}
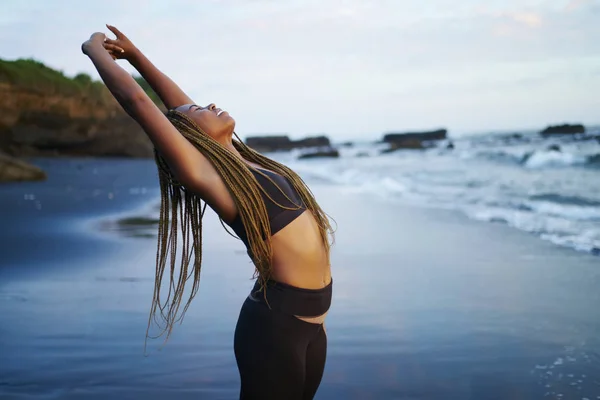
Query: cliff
{"x": 44, "y": 113}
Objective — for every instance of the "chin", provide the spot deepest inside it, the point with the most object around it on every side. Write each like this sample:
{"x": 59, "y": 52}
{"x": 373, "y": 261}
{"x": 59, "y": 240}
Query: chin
{"x": 230, "y": 122}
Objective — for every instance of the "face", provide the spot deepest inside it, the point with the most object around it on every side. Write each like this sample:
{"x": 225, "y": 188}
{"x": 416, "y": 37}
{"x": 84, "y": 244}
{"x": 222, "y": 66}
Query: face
{"x": 215, "y": 122}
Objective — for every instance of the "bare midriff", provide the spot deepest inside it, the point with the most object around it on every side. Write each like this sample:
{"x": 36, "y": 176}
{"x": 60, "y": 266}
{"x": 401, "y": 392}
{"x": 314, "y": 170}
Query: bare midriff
{"x": 300, "y": 259}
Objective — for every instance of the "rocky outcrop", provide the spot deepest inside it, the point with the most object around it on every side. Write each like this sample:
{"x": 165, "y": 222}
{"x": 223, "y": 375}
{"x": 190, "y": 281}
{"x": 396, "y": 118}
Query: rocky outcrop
{"x": 15, "y": 170}
{"x": 45, "y": 113}
{"x": 554, "y": 147}
{"x": 324, "y": 153}
{"x": 34, "y": 123}
{"x": 413, "y": 140}
{"x": 413, "y": 144}
{"x": 312, "y": 141}
{"x": 566, "y": 129}
{"x": 265, "y": 144}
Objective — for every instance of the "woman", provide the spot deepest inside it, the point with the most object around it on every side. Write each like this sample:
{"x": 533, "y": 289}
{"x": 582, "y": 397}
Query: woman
{"x": 280, "y": 343}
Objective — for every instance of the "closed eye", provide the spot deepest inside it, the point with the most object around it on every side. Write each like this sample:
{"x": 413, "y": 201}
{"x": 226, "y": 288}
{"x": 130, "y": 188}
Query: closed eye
{"x": 197, "y": 107}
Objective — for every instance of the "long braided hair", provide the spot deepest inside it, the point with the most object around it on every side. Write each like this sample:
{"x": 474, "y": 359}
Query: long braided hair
{"x": 176, "y": 202}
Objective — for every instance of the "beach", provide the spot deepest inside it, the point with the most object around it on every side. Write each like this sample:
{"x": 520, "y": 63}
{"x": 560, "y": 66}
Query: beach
{"x": 428, "y": 304}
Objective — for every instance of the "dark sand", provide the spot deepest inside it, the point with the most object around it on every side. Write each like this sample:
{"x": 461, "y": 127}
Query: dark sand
{"x": 427, "y": 304}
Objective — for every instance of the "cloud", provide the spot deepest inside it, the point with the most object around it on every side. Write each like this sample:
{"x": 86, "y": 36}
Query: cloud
{"x": 513, "y": 24}
{"x": 577, "y": 4}
{"x": 529, "y": 19}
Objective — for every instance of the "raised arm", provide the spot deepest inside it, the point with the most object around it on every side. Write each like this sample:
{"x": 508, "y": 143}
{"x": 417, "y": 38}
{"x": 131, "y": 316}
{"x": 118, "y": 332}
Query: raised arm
{"x": 188, "y": 165}
{"x": 122, "y": 48}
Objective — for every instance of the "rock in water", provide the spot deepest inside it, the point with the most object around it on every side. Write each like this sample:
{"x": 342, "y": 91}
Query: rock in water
{"x": 265, "y": 144}
{"x": 269, "y": 143}
{"x": 554, "y": 147}
{"x": 566, "y": 129}
{"x": 412, "y": 140}
{"x": 312, "y": 141}
{"x": 15, "y": 170}
{"x": 330, "y": 153}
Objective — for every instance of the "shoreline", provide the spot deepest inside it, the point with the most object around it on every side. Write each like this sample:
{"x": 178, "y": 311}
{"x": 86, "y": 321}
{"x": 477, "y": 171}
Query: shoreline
{"x": 595, "y": 251}
{"x": 139, "y": 219}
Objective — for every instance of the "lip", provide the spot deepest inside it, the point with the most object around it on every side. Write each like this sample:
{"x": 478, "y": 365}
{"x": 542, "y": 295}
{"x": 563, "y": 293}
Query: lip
{"x": 220, "y": 112}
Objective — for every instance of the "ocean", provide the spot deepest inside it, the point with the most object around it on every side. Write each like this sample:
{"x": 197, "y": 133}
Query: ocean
{"x": 464, "y": 273}
{"x": 549, "y": 186}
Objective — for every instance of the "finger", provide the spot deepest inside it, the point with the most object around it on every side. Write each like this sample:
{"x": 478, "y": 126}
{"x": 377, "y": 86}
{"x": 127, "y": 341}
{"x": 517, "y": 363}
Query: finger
{"x": 117, "y": 32}
{"x": 115, "y": 55}
{"x": 111, "y": 41}
{"x": 113, "y": 48}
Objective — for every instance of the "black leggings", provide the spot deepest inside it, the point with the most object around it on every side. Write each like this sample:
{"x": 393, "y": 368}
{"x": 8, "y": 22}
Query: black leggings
{"x": 279, "y": 356}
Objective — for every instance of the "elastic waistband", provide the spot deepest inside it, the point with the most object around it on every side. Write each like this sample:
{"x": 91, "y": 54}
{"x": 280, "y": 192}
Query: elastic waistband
{"x": 294, "y": 300}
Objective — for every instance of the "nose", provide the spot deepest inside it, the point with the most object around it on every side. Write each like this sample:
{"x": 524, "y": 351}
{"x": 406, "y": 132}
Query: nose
{"x": 211, "y": 106}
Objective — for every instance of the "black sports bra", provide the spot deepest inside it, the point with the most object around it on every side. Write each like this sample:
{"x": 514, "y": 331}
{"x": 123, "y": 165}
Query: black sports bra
{"x": 279, "y": 217}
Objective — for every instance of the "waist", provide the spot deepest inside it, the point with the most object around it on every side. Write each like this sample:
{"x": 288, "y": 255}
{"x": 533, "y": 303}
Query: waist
{"x": 294, "y": 300}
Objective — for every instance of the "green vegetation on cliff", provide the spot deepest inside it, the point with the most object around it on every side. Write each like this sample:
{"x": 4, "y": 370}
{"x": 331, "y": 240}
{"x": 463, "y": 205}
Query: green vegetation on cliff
{"x": 33, "y": 75}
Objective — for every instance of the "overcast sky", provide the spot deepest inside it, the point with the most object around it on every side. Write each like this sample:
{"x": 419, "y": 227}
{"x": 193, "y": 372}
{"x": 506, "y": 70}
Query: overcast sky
{"x": 348, "y": 68}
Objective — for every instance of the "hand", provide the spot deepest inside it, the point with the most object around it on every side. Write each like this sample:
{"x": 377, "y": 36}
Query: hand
{"x": 121, "y": 48}
{"x": 95, "y": 40}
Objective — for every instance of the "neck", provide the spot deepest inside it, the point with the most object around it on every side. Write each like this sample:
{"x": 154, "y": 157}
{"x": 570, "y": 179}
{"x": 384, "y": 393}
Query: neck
{"x": 228, "y": 144}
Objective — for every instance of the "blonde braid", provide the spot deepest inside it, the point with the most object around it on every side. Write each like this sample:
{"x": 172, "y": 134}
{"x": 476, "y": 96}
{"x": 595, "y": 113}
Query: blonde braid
{"x": 246, "y": 194}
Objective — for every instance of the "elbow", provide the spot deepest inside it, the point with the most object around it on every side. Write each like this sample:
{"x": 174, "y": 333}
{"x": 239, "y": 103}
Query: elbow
{"x": 134, "y": 101}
